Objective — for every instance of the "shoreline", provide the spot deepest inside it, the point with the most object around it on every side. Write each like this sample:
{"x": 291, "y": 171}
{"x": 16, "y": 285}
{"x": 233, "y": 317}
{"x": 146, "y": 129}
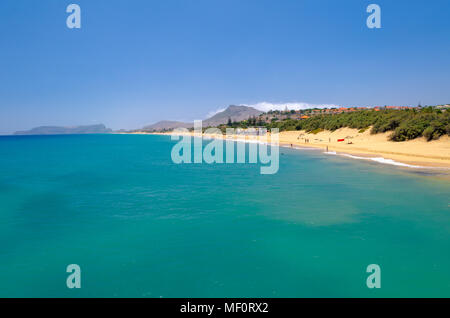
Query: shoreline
{"x": 414, "y": 154}
{"x": 418, "y": 152}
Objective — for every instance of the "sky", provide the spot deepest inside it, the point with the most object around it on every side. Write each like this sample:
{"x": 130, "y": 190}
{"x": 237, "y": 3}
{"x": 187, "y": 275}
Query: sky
{"x": 135, "y": 62}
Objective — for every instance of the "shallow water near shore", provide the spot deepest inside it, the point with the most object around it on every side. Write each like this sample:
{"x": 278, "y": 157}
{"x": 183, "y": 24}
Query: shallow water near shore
{"x": 141, "y": 226}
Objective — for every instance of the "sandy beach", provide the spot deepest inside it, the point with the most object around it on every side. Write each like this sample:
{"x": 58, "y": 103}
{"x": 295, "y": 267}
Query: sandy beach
{"x": 420, "y": 152}
{"x": 417, "y": 152}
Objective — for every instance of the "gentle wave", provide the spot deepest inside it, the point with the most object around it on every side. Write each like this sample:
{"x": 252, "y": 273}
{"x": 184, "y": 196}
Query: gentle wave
{"x": 377, "y": 159}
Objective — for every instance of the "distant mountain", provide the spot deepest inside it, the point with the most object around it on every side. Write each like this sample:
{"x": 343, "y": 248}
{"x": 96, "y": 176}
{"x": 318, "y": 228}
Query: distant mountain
{"x": 236, "y": 113}
{"x": 55, "y": 130}
{"x": 167, "y": 125}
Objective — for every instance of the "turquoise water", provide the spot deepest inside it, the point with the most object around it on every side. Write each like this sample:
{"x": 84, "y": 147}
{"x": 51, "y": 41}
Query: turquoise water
{"x": 140, "y": 226}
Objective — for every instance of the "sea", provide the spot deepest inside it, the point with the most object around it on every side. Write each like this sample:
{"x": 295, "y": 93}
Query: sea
{"x": 139, "y": 225}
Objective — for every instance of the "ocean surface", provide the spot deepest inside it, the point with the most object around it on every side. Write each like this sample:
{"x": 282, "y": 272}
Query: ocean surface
{"x": 139, "y": 225}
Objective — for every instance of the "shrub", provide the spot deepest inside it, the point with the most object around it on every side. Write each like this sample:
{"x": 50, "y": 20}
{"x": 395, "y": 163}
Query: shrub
{"x": 316, "y": 131}
{"x": 362, "y": 130}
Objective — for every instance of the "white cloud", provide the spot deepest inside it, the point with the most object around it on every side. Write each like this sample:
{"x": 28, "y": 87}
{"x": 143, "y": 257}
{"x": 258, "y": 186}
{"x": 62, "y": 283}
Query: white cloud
{"x": 266, "y": 106}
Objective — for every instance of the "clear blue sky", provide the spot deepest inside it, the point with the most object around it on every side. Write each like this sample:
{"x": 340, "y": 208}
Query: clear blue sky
{"x": 134, "y": 62}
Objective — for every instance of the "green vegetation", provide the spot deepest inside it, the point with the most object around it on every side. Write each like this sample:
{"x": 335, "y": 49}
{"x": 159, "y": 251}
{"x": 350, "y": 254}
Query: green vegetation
{"x": 405, "y": 124}
{"x": 316, "y": 131}
{"x": 362, "y": 130}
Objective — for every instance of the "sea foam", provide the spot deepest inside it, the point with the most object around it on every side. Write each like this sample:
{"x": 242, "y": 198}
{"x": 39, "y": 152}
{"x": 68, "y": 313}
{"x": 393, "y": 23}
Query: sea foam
{"x": 377, "y": 159}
